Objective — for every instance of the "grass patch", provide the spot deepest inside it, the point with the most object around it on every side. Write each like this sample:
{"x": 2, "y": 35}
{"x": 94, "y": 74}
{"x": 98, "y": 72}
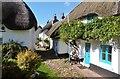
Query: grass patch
{"x": 46, "y": 72}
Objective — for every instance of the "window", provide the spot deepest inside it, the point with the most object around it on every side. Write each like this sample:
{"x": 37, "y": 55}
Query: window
{"x": 106, "y": 54}
{"x": 90, "y": 17}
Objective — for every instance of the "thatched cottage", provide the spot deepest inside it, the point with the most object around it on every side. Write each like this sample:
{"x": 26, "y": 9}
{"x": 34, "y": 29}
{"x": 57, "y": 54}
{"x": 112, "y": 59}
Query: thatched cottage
{"x": 44, "y": 32}
{"x": 18, "y": 23}
{"x": 58, "y": 45}
{"x": 92, "y": 51}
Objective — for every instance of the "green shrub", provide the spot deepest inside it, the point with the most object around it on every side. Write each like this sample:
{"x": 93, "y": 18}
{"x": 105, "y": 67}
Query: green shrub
{"x": 10, "y": 70}
{"x": 11, "y": 49}
{"x": 28, "y": 60}
{"x": 37, "y": 42}
{"x": 47, "y": 41}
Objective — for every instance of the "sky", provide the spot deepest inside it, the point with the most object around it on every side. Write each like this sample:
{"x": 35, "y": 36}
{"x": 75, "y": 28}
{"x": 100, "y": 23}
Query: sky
{"x": 45, "y": 11}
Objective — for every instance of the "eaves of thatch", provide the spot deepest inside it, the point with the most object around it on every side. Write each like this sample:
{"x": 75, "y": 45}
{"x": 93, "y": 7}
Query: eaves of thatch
{"x": 50, "y": 24}
{"x": 18, "y": 16}
{"x": 47, "y": 26}
{"x": 99, "y": 8}
{"x": 55, "y": 27}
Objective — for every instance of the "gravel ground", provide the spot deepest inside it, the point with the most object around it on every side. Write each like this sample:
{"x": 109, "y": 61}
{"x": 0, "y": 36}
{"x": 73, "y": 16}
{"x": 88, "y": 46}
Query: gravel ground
{"x": 63, "y": 69}
{"x": 60, "y": 65}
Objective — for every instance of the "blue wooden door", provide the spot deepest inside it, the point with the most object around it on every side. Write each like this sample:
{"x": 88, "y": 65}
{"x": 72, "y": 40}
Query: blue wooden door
{"x": 87, "y": 53}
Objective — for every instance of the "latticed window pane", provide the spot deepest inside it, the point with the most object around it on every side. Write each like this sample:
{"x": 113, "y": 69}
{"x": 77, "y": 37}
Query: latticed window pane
{"x": 109, "y": 58}
{"x": 103, "y": 56}
{"x": 109, "y": 49}
{"x": 103, "y": 48}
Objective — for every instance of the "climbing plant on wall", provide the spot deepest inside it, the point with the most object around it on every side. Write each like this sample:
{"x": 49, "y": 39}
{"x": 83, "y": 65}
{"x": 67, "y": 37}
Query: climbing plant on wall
{"x": 100, "y": 29}
{"x": 103, "y": 29}
{"x": 71, "y": 31}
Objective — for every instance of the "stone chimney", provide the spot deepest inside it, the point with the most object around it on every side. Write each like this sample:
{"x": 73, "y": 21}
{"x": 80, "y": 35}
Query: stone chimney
{"x": 55, "y": 19}
{"x": 47, "y": 21}
{"x": 63, "y": 16}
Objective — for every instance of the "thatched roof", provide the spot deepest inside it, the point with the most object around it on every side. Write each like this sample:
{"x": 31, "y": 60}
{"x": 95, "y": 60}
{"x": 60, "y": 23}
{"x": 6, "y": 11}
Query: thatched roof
{"x": 54, "y": 27}
{"x": 99, "y": 8}
{"x": 47, "y": 26}
{"x": 17, "y": 16}
{"x": 85, "y": 8}
{"x": 50, "y": 24}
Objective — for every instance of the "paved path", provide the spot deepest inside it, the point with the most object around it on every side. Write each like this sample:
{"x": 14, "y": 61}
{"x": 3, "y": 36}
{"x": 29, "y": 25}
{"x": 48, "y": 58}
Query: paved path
{"x": 67, "y": 70}
{"x": 86, "y": 71}
{"x": 63, "y": 69}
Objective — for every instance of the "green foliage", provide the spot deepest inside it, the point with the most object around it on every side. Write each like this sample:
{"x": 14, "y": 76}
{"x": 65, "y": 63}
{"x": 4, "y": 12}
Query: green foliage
{"x": 11, "y": 49}
{"x": 10, "y": 70}
{"x": 45, "y": 72}
{"x": 37, "y": 42}
{"x": 48, "y": 43}
{"x": 55, "y": 34}
{"x": 72, "y": 30}
{"x": 0, "y": 46}
{"x": 26, "y": 64}
{"x": 100, "y": 29}
{"x": 103, "y": 29}
{"x": 28, "y": 60}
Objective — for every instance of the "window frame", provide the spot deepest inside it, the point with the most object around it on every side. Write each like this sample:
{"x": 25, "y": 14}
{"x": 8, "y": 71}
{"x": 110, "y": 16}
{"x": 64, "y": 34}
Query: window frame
{"x": 106, "y": 54}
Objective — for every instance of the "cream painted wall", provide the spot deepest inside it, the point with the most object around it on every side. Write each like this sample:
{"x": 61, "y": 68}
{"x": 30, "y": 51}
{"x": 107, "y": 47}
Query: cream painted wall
{"x": 25, "y": 36}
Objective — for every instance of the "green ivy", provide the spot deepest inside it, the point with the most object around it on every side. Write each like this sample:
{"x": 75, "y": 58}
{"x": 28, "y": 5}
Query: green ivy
{"x": 100, "y": 29}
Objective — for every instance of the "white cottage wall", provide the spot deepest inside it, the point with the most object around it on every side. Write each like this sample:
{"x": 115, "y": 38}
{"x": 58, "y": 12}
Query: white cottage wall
{"x": 36, "y": 34}
{"x": 95, "y": 57}
{"x": 62, "y": 48}
{"x": 51, "y": 43}
{"x": 55, "y": 46}
{"x": 43, "y": 36}
{"x": 59, "y": 46}
{"x": 94, "y": 52}
{"x": 119, "y": 61}
{"x": 119, "y": 55}
{"x": 25, "y": 36}
{"x": 82, "y": 44}
{"x": 31, "y": 38}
